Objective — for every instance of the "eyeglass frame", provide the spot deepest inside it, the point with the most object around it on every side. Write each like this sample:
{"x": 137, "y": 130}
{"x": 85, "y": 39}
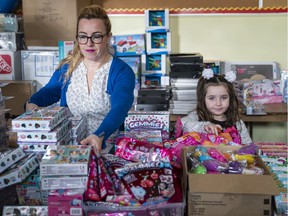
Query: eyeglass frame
{"x": 87, "y": 38}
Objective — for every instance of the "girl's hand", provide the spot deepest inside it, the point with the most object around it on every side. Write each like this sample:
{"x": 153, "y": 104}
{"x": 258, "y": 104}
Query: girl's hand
{"x": 95, "y": 142}
{"x": 31, "y": 106}
{"x": 212, "y": 128}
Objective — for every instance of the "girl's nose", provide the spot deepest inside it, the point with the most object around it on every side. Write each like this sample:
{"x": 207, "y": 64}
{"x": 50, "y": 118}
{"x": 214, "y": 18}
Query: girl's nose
{"x": 218, "y": 101}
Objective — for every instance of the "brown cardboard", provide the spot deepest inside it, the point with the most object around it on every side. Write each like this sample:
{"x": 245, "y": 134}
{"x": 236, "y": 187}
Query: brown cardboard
{"x": 21, "y": 91}
{"x": 48, "y": 21}
{"x": 224, "y": 194}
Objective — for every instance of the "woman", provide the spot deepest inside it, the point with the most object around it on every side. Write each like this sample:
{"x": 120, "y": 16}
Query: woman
{"x": 91, "y": 82}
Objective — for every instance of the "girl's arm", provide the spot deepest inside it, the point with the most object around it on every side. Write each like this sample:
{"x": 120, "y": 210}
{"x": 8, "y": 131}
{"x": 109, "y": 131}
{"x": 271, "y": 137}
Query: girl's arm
{"x": 191, "y": 123}
{"x": 245, "y": 136}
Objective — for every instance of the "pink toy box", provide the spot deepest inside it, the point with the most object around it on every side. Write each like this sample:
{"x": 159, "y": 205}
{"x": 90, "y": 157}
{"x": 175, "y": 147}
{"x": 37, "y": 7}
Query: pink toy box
{"x": 264, "y": 91}
{"x": 65, "y": 160}
{"x": 40, "y": 119}
{"x": 65, "y": 202}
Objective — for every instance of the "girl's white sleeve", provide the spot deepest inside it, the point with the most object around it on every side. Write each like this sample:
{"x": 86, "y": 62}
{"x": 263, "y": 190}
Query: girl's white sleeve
{"x": 191, "y": 123}
{"x": 245, "y": 136}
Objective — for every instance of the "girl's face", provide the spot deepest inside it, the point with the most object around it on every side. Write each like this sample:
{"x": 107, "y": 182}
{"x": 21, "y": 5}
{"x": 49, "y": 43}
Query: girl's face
{"x": 217, "y": 101}
{"x": 93, "y": 28}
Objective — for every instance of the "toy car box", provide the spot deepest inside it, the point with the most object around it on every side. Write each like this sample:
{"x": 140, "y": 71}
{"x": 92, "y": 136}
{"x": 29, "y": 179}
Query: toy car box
{"x": 128, "y": 45}
{"x": 45, "y": 119}
{"x": 65, "y": 160}
{"x": 228, "y": 194}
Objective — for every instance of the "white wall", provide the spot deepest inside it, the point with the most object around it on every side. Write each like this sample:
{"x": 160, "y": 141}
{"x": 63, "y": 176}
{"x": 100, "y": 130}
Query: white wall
{"x": 227, "y": 38}
{"x": 221, "y": 37}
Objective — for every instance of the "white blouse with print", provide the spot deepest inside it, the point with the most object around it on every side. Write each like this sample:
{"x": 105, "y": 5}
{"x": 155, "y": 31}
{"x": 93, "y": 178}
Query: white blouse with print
{"x": 94, "y": 105}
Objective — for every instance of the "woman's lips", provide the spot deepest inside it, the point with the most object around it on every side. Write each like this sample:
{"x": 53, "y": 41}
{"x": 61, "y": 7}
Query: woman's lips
{"x": 89, "y": 50}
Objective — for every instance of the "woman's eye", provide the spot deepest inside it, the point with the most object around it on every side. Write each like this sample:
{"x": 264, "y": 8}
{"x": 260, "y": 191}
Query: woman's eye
{"x": 82, "y": 36}
{"x": 96, "y": 36}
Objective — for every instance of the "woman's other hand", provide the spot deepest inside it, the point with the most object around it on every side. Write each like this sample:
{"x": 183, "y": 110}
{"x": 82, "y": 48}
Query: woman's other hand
{"x": 95, "y": 142}
{"x": 31, "y": 106}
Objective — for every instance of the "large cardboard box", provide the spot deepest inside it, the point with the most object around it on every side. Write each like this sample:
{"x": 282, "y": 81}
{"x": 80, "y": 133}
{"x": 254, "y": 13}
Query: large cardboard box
{"x": 229, "y": 194}
{"x": 48, "y": 21}
{"x": 20, "y": 91}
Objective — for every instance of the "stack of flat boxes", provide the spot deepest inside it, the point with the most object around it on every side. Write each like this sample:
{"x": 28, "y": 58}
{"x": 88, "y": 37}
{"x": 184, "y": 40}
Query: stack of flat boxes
{"x": 185, "y": 70}
{"x": 40, "y": 128}
{"x": 64, "y": 177}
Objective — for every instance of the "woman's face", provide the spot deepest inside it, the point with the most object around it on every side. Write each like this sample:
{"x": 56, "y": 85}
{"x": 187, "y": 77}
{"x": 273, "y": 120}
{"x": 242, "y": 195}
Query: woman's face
{"x": 217, "y": 101}
{"x": 93, "y": 28}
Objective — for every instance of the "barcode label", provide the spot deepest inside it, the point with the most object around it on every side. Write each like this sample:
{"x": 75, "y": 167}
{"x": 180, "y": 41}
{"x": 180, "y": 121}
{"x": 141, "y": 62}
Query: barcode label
{"x": 76, "y": 211}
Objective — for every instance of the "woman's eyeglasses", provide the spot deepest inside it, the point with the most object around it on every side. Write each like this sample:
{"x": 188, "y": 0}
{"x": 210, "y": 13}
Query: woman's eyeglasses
{"x": 95, "y": 38}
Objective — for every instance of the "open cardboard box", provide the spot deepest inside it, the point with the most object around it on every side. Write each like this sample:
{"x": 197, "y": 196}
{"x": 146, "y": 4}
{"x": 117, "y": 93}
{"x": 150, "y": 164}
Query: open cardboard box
{"x": 228, "y": 194}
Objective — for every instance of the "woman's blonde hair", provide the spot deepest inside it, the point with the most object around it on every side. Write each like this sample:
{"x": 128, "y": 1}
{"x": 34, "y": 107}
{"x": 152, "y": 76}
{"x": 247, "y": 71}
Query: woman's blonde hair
{"x": 88, "y": 12}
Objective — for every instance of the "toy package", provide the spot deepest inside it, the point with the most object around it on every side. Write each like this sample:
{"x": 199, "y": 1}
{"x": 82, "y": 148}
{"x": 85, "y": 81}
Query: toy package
{"x": 10, "y": 157}
{"x": 65, "y": 160}
{"x": 19, "y": 171}
{"x": 41, "y": 119}
{"x": 45, "y": 136}
{"x": 25, "y": 210}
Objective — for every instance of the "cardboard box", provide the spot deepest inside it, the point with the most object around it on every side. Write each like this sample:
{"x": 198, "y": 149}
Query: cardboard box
{"x": 48, "y": 21}
{"x": 39, "y": 64}
{"x": 228, "y": 194}
{"x": 10, "y": 66}
{"x": 20, "y": 91}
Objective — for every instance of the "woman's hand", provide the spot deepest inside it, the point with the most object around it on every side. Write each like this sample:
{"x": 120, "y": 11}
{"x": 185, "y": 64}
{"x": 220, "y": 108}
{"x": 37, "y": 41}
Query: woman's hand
{"x": 212, "y": 128}
{"x": 30, "y": 106}
{"x": 95, "y": 142}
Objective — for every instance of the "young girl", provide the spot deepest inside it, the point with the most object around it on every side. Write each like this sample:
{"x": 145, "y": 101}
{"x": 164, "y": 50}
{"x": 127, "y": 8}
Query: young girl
{"x": 217, "y": 107}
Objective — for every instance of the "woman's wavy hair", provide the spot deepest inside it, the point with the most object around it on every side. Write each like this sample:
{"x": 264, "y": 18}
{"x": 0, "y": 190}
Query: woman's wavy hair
{"x": 232, "y": 112}
{"x": 88, "y": 12}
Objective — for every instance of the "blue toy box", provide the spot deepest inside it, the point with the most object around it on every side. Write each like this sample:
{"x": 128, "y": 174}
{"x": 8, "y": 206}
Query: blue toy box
{"x": 157, "y": 20}
{"x": 153, "y": 64}
{"x": 158, "y": 42}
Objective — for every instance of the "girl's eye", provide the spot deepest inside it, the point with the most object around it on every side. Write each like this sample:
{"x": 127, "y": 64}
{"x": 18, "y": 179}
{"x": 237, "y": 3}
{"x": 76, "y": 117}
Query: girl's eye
{"x": 225, "y": 97}
{"x": 211, "y": 98}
